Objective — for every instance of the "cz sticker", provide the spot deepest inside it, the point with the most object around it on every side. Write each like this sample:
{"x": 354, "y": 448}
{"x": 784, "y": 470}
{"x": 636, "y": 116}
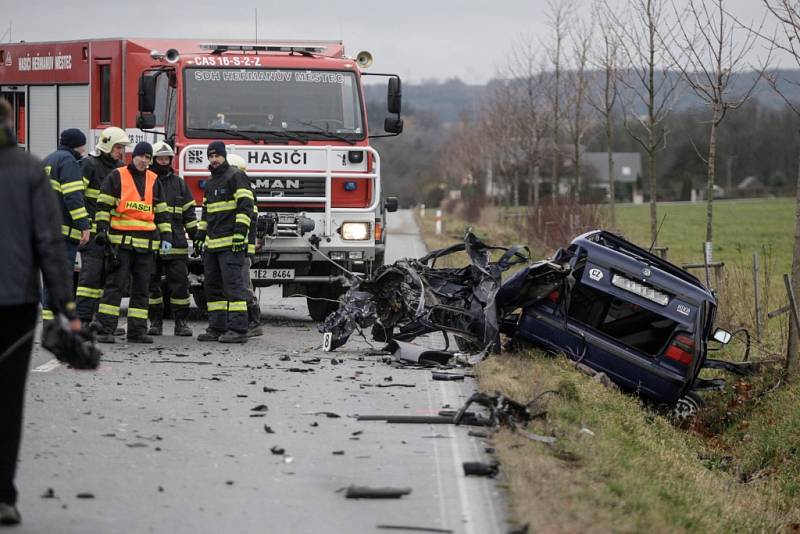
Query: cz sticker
{"x": 596, "y": 274}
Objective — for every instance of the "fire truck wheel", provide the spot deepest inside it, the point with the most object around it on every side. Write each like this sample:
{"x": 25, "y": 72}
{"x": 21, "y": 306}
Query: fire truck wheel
{"x": 320, "y": 309}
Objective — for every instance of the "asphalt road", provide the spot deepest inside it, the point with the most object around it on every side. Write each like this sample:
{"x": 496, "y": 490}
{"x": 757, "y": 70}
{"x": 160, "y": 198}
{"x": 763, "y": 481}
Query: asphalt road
{"x": 165, "y": 438}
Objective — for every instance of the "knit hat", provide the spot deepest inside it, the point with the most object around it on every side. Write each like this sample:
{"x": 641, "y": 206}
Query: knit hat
{"x": 216, "y": 148}
{"x": 143, "y": 148}
{"x": 72, "y": 138}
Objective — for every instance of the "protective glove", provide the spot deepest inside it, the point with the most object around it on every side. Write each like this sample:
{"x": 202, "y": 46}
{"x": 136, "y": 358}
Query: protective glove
{"x": 199, "y": 246}
{"x": 166, "y": 246}
{"x": 101, "y": 239}
{"x": 239, "y": 243}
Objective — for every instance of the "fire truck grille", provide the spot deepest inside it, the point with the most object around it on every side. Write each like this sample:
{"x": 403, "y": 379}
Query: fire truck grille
{"x": 289, "y": 187}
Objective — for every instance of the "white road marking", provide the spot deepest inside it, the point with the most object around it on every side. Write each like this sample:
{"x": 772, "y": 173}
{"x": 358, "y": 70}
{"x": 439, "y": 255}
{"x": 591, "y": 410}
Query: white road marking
{"x": 458, "y": 467}
{"x": 437, "y": 459}
{"x": 46, "y": 367}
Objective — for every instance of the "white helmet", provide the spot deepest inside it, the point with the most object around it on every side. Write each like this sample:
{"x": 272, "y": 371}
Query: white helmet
{"x": 235, "y": 160}
{"x": 111, "y": 136}
{"x": 162, "y": 149}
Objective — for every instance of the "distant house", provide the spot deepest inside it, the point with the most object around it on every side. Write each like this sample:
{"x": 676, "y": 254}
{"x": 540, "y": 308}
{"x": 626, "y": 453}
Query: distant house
{"x": 627, "y": 170}
{"x": 750, "y": 187}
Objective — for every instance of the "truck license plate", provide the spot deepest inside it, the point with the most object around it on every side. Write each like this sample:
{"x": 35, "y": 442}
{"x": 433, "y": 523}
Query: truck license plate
{"x": 272, "y": 274}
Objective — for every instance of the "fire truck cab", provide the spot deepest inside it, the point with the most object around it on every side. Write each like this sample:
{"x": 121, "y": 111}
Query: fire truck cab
{"x": 295, "y": 111}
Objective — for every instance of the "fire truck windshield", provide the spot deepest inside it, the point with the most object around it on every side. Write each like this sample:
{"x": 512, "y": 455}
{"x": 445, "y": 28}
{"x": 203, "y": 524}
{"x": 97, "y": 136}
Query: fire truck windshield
{"x": 319, "y": 104}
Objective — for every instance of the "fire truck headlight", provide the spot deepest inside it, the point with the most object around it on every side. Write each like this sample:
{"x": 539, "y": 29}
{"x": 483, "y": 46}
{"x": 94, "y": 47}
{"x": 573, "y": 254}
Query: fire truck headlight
{"x": 355, "y": 156}
{"x": 355, "y": 231}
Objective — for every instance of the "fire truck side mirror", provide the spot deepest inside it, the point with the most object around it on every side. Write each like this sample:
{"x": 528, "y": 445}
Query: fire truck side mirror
{"x": 390, "y": 203}
{"x": 392, "y": 125}
{"x": 147, "y": 93}
{"x": 395, "y": 96}
{"x": 146, "y": 122}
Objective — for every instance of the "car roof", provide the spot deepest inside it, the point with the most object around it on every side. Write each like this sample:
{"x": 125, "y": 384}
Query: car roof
{"x": 612, "y": 250}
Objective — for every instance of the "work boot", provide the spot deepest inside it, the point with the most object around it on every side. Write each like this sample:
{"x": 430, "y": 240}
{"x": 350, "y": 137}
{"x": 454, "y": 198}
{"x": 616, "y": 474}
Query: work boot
{"x": 9, "y": 515}
{"x": 209, "y": 335}
{"x": 119, "y": 331}
{"x": 141, "y": 338}
{"x": 254, "y": 330}
{"x": 156, "y": 327}
{"x": 105, "y": 337}
{"x": 182, "y": 329}
{"x": 233, "y": 337}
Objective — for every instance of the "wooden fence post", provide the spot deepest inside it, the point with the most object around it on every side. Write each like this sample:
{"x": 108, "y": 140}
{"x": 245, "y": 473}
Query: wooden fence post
{"x": 787, "y": 280}
{"x": 757, "y": 296}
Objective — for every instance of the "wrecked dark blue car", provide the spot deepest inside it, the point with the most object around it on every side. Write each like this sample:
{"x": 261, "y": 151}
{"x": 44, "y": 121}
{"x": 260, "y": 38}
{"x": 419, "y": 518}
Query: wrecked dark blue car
{"x": 620, "y": 310}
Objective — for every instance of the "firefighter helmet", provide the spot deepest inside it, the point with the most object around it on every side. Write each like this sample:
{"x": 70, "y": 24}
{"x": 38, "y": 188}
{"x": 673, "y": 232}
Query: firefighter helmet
{"x": 235, "y": 160}
{"x": 112, "y": 136}
{"x": 163, "y": 149}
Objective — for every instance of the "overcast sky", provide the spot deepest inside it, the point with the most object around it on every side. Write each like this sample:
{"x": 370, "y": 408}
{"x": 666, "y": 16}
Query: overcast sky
{"x": 417, "y": 39}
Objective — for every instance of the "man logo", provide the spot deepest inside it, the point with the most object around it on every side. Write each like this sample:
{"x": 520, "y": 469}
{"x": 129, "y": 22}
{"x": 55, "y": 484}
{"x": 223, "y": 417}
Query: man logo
{"x": 266, "y": 183}
{"x": 596, "y": 274}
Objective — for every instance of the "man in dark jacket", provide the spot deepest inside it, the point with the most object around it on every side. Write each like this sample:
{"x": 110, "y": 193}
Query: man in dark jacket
{"x": 109, "y": 154}
{"x": 227, "y": 212}
{"x": 65, "y": 175}
{"x": 32, "y": 241}
{"x": 132, "y": 220}
{"x": 174, "y": 264}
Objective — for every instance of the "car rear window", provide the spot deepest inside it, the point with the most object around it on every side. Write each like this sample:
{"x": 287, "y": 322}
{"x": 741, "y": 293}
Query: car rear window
{"x": 627, "y": 322}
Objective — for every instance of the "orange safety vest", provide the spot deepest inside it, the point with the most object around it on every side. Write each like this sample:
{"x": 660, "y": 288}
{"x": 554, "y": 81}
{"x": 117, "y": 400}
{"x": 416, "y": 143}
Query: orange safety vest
{"x": 134, "y": 213}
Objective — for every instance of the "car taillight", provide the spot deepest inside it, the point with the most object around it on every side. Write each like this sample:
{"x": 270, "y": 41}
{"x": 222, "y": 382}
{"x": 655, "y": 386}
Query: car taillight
{"x": 680, "y": 349}
{"x": 553, "y": 297}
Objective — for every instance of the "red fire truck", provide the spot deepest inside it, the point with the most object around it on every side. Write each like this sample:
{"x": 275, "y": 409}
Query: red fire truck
{"x": 295, "y": 111}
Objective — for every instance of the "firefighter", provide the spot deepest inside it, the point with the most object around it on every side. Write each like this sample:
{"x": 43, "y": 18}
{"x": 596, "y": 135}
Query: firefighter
{"x": 253, "y": 306}
{"x": 130, "y": 204}
{"x": 222, "y": 234}
{"x": 109, "y": 154}
{"x": 32, "y": 241}
{"x": 175, "y": 262}
{"x": 65, "y": 175}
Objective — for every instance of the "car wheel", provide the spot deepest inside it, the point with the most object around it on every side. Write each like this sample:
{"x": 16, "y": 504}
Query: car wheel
{"x": 687, "y": 408}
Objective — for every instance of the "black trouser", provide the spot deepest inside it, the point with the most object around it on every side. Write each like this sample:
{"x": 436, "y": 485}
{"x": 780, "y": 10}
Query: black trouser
{"x": 253, "y": 306}
{"x": 91, "y": 280}
{"x": 17, "y": 321}
{"x": 136, "y": 267}
{"x": 176, "y": 271}
{"x": 72, "y": 251}
{"x": 225, "y": 292}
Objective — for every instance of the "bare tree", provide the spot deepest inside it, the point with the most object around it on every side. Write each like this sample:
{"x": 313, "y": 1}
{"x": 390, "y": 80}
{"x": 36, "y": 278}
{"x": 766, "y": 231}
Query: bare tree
{"x": 787, "y": 14}
{"x": 645, "y": 35}
{"x": 715, "y": 50}
{"x": 577, "y": 87}
{"x": 605, "y": 59}
{"x": 559, "y": 13}
{"x": 530, "y": 120}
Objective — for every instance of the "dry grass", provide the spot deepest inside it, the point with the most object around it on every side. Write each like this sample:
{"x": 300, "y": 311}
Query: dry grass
{"x": 635, "y": 473}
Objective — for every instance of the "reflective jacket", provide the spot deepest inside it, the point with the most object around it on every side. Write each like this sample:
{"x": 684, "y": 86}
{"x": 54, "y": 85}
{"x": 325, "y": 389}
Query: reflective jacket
{"x": 180, "y": 211}
{"x": 65, "y": 175}
{"x": 227, "y": 208}
{"x": 109, "y": 199}
{"x": 95, "y": 170}
{"x": 30, "y": 234}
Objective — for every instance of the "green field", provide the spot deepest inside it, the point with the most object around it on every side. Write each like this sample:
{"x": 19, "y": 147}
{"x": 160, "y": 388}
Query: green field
{"x": 741, "y": 227}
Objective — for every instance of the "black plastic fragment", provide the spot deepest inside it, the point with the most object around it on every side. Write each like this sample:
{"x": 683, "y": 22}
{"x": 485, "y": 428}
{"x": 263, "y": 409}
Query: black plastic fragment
{"x": 480, "y": 469}
{"x": 364, "y": 492}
